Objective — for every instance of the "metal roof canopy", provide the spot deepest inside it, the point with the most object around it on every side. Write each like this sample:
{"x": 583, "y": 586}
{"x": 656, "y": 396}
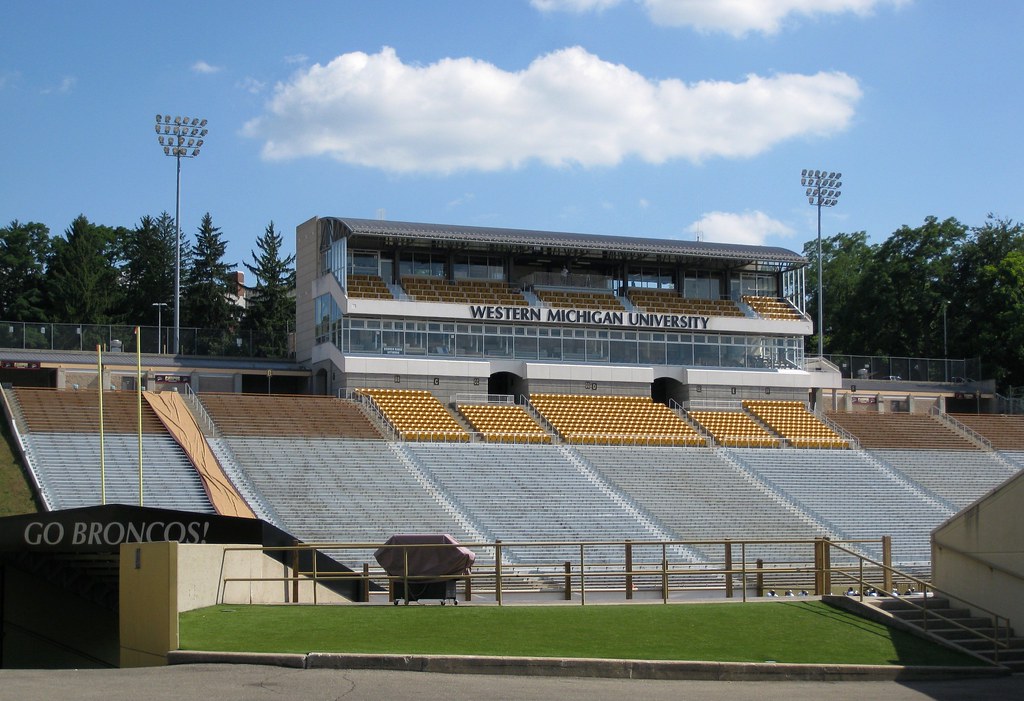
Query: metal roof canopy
{"x": 598, "y": 244}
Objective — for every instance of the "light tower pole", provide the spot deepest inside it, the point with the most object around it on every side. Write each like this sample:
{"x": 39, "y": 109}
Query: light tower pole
{"x": 822, "y": 191}
{"x": 180, "y": 138}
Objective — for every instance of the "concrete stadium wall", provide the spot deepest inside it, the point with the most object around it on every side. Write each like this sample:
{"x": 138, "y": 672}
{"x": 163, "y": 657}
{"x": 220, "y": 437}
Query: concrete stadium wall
{"x": 158, "y": 581}
{"x": 979, "y": 553}
{"x": 306, "y": 267}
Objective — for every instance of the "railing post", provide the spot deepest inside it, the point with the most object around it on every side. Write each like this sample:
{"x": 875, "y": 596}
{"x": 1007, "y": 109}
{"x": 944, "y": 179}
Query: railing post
{"x": 728, "y": 569}
{"x": 295, "y": 572}
{"x": 497, "y": 571}
{"x": 568, "y": 580}
{"x": 818, "y": 568}
{"x": 364, "y": 586}
{"x": 629, "y": 570}
{"x": 312, "y": 554}
{"x": 405, "y": 574}
{"x": 583, "y": 580}
{"x": 826, "y": 566}
{"x": 664, "y": 574}
{"x": 469, "y": 589}
{"x": 759, "y": 579}
{"x": 743, "y": 571}
{"x": 887, "y": 561}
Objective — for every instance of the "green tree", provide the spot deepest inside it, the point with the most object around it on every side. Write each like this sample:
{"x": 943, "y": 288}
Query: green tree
{"x": 979, "y": 317}
{"x": 844, "y": 258}
{"x": 148, "y": 272}
{"x": 210, "y": 289}
{"x": 83, "y": 277}
{"x": 24, "y": 249}
{"x": 271, "y": 306}
{"x": 906, "y": 286}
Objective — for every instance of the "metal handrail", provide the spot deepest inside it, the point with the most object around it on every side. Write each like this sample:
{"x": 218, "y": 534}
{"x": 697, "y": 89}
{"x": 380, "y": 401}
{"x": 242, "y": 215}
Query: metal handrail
{"x": 572, "y": 575}
{"x": 962, "y": 428}
{"x": 199, "y": 409}
{"x": 996, "y": 618}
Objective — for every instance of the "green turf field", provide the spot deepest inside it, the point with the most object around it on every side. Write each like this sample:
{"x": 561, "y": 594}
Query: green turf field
{"x": 784, "y": 631}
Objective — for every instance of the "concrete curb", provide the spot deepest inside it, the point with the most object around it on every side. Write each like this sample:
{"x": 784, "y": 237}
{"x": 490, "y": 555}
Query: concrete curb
{"x": 297, "y": 661}
{"x": 586, "y": 667}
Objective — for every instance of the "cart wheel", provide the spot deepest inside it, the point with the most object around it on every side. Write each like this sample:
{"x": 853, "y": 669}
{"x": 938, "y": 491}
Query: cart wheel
{"x": 455, "y": 602}
{"x": 443, "y": 602}
{"x": 395, "y": 602}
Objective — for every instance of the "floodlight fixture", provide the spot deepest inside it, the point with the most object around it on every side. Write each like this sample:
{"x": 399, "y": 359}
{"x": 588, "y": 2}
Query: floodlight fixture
{"x": 822, "y": 191}
{"x": 175, "y": 145}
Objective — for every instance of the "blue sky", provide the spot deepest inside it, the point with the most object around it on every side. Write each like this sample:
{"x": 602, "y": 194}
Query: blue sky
{"x": 660, "y": 118}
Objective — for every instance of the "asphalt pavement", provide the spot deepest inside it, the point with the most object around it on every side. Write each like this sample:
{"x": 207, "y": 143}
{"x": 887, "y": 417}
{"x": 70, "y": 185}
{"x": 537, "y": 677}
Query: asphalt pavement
{"x": 244, "y": 682}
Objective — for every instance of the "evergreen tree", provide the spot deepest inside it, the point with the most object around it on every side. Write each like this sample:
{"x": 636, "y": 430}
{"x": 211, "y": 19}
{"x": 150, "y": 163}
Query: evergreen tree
{"x": 24, "y": 249}
{"x": 148, "y": 273}
{"x": 82, "y": 280}
{"x": 271, "y": 306}
{"x": 209, "y": 287}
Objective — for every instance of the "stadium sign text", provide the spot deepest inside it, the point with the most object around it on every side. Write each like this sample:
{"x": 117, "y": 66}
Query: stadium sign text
{"x": 599, "y": 317}
{"x": 85, "y": 533}
{"x": 106, "y": 528}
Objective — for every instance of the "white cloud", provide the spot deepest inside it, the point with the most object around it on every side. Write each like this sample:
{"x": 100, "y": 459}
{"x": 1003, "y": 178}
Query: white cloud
{"x": 8, "y": 79}
{"x": 566, "y": 108}
{"x": 65, "y": 86}
{"x": 204, "y": 67}
{"x": 573, "y": 5}
{"x": 461, "y": 200}
{"x": 251, "y": 85}
{"x": 729, "y": 227}
{"x": 296, "y": 59}
{"x": 735, "y": 17}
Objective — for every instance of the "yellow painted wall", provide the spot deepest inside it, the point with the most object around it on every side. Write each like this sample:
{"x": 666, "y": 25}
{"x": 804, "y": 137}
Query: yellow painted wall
{"x": 979, "y": 553}
{"x": 149, "y": 603}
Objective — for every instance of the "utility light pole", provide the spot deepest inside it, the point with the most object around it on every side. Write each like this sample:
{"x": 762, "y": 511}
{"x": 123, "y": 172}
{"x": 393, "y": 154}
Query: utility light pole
{"x": 159, "y": 325}
{"x": 945, "y": 340}
{"x": 822, "y": 191}
{"x": 180, "y": 138}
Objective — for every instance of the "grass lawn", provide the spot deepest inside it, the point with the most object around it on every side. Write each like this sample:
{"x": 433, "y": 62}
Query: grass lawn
{"x": 15, "y": 492}
{"x": 784, "y": 631}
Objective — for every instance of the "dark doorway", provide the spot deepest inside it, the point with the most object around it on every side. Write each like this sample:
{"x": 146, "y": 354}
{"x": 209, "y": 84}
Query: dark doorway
{"x": 507, "y": 383}
{"x": 665, "y": 388}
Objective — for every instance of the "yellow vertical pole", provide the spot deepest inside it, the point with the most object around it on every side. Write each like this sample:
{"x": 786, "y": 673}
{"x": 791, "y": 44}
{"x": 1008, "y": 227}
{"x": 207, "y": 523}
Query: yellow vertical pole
{"x": 99, "y": 384}
{"x": 138, "y": 403}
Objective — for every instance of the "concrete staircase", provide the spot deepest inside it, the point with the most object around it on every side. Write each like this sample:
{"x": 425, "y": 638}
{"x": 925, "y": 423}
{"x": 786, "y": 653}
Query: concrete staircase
{"x": 948, "y": 629}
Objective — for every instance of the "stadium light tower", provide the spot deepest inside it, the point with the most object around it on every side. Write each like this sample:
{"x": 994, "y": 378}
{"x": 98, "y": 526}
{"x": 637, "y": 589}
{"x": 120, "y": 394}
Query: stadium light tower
{"x": 822, "y": 191}
{"x": 180, "y": 137}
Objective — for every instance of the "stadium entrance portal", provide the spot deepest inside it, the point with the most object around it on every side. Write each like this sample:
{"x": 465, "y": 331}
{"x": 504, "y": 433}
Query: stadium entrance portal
{"x": 60, "y": 576}
{"x": 27, "y": 374}
{"x": 507, "y": 383}
{"x": 665, "y": 388}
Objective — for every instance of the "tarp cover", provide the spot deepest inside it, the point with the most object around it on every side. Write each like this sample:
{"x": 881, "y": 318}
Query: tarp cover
{"x": 424, "y": 562}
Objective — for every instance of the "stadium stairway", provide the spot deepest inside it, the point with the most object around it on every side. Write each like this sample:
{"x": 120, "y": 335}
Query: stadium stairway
{"x": 857, "y": 495}
{"x": 957, "y": 626}
{"x": 533, "y": 493}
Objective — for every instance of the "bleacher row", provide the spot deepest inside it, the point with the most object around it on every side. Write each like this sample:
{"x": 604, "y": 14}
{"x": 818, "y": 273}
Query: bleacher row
{"x": 339, "y": 488}
{"x": 417, "y": 415}
{"x": 500, "y": 293}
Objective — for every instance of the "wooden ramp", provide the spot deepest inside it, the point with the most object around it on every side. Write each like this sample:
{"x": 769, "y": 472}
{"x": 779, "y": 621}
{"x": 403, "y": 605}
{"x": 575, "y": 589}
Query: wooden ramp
{"x": 170, "y": 408}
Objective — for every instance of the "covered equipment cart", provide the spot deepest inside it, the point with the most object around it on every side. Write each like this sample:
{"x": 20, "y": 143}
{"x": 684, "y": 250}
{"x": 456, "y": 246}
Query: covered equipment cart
{"x": 432, "y": 571}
